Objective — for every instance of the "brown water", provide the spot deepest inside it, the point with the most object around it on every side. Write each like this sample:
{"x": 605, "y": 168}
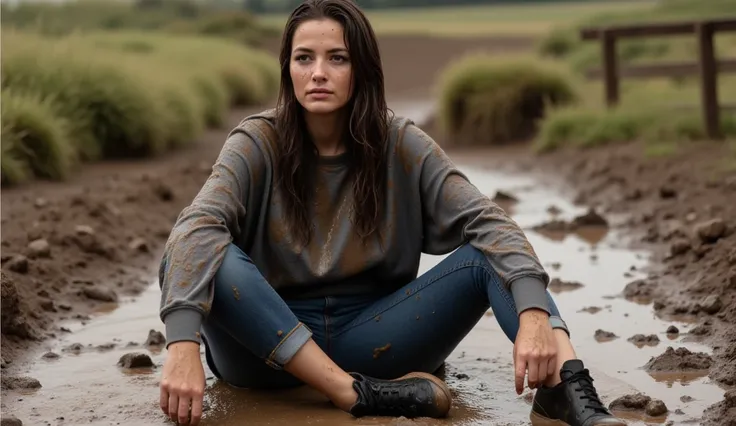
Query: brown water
{"x": 88, "y": 387}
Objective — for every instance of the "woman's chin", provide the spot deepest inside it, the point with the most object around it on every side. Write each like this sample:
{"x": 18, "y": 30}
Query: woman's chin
{"x": 320, "y": 107}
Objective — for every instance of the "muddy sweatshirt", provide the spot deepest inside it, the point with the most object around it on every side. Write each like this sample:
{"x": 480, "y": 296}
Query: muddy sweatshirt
{"x": 430, "y": 207}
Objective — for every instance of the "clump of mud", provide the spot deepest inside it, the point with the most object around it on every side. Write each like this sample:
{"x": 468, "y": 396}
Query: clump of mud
{"x": 722, "y": 413}
{"x": 680, "y": 359}
{"x": 639, "y": 402}
{"x": 644, "y": 340}
{"x": 14, "y": 317}
{"x": 590, "y": 218}
{"x": 557, "y": 285}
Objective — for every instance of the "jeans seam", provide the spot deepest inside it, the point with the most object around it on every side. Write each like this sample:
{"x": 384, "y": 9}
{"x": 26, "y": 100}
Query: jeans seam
{"x": 272, "y": 355}
{"x": 326, "y": 317}
{"x": 432, "y": 280}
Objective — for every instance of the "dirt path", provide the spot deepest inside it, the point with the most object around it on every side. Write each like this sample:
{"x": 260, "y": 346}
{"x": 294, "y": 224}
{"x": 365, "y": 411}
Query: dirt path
{"x": 103, "y": 232}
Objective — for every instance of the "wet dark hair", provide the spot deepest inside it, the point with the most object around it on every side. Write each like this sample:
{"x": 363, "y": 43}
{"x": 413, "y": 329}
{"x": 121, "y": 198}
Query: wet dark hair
{"x": 366, "y": 131}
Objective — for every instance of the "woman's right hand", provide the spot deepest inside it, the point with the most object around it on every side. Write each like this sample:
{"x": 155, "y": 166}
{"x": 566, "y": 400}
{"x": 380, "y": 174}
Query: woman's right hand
{"x": 182, "y": 383}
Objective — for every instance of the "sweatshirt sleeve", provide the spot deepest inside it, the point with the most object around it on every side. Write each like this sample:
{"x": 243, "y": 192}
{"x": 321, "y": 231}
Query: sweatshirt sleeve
{"x": 203, "y": 231}
{"x": 456, "y": 212}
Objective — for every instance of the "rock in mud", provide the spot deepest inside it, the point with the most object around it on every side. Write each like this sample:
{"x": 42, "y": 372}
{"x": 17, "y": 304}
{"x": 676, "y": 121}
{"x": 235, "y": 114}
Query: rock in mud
{"x": 589, "y": 218}
{"x": 679, "y": 246}
{"x": 680, "y": 359}
{"x": 10, "y": 421}
{"x": 18, "y": 263}
{"x": 591, "y": 309}
{"x": 639, "y": 289}
{"x": 504, "y": 197}
{"x": 557, "y": 285}
{"x": 135, "y": 360}
{"x": 641, "y": 339}
{"x": 686, "y": 398}
{"x": 20, "y": 382}
{"x": 139, "y": 245}
{"x": 639, "y": 402}
{"x": 163, "y": 191}
{"x": 74, "y": 348}
{"x": 667, "y": 192}
{"x": 155, "y": 338}
{"x": 604, "y": 336}
{"x": 51, "y": 355}
{"x": 673, "y": 330}
{"x": 39, "y": 248}
{"x": 711, "y": 304}
{"x": 710, "y": 231}
{"x": 100, "y": 294}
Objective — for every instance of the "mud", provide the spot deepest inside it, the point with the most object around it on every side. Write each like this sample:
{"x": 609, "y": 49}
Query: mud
{"x": 78, "y": 260}
{"x": 82, "y": 381}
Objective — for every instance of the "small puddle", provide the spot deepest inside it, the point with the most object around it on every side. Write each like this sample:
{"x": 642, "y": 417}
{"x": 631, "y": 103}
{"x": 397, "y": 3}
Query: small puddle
{"x": 89, "y": 388}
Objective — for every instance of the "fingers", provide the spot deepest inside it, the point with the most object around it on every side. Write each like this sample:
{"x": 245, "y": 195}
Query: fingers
{"x": 164, "y": 398}
{"x": 173, "y": 406}
{"x": 533, "y": 375}
{"x": 519, "y": 373}
{"x": 542, "y": 372}
{"x": 196, "y": 409}
{"x": 183, "y": 410}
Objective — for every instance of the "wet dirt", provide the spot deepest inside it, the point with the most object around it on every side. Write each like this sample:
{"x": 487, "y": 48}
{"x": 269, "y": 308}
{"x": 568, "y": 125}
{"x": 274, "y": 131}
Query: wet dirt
{"x": 87, "y": 386}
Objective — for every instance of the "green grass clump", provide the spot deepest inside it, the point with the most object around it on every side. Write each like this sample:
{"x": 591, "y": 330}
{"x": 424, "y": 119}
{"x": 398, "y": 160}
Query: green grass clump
{"x": 486, "y": 101}
{"x": 119, "y": 95}
{"x": 181, "y": 17}
{"x": 35, "y": 139}
{"x": 661, "y": 129}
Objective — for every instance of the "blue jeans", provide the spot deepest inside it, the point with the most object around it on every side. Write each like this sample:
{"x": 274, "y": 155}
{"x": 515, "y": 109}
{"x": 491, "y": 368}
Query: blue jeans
{"x": 251, "y": 332}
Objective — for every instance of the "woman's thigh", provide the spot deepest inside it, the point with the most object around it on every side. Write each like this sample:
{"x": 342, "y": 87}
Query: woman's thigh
{"x": 417, "y": 327}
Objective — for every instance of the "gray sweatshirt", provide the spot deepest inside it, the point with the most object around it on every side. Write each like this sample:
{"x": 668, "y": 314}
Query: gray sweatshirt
{"x": 430, "y": 207}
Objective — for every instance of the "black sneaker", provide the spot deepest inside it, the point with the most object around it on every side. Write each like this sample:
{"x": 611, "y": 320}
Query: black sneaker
{"x": 411, "y": 396}
{"x": 574, "y": 402}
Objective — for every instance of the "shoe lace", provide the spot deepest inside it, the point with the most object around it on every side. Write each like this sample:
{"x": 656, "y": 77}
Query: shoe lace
{"x": 396, "y": 397}
{"x": 584, "y": 383}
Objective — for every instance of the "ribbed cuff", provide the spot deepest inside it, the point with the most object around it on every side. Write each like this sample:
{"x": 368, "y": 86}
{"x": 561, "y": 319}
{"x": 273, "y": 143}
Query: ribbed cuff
{"x": 183, "y": 325}
{"x": 528, "y": 293}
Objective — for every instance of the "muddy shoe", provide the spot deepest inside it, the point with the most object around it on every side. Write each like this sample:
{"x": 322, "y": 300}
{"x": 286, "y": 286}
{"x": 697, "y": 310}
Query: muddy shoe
{"x": 413, "y": 395}
{"x": 574, "y": 402}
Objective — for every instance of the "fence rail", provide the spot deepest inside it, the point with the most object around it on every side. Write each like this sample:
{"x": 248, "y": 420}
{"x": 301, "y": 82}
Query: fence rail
{"x": 707, "y": 66}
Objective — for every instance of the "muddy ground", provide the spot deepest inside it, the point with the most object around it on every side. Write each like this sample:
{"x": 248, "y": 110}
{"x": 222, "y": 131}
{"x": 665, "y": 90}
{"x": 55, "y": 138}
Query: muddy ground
{"x": 73, "y": 250}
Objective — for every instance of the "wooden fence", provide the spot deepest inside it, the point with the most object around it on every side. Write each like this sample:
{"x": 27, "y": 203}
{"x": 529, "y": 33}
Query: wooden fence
{"x": 707, "y": 66}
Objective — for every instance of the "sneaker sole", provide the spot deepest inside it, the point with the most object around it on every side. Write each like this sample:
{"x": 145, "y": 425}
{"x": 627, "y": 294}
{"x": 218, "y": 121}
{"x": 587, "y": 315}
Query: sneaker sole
{"x": 442, "y": 404}
{"x": 539, "y": 420}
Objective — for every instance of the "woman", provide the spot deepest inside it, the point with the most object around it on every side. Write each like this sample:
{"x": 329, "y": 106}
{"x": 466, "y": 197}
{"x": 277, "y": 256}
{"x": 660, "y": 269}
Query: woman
{"x": 298, "y": 259}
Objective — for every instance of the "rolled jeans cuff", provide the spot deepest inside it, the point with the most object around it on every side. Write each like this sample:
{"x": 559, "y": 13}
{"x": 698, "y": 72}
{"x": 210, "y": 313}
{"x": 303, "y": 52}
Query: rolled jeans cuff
{"x": 559, "y": 323}
{"x": 289, "y": 346}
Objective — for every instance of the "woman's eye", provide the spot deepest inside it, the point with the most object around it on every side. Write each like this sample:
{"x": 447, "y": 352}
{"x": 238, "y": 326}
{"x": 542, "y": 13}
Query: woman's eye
{"x": 302, "y": 58}
{"x": 339, "y": 58}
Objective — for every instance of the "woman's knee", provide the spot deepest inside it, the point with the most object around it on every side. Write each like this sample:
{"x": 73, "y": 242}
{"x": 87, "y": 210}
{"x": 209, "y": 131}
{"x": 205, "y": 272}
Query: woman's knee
{"x": 234, "y": 266}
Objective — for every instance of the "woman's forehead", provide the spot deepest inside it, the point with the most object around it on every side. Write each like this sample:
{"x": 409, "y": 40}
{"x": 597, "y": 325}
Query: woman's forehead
{"x": 322, "y": 34}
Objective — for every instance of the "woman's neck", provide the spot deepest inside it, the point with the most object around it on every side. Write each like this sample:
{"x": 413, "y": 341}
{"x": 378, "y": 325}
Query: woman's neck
{"x": 326, "y": 131}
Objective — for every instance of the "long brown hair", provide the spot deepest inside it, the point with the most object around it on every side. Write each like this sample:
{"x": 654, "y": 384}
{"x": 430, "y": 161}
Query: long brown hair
{"x": 368, "y": 123}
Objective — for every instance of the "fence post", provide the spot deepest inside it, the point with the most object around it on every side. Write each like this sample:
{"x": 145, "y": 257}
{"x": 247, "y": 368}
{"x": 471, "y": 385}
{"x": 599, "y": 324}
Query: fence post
{"x": 708, "y": 80}
{"x": 610, "y": 67}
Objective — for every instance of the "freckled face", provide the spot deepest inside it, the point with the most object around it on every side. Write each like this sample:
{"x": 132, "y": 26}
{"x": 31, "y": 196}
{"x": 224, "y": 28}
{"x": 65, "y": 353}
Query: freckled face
{"x": 320, "y": 66}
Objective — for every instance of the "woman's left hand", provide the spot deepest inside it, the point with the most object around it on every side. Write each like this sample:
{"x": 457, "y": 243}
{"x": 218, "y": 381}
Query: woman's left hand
{"x": 535, "y": 349}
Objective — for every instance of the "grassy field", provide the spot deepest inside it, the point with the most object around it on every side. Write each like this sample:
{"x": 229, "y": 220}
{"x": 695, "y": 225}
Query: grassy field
{"x": 662, "y": 112}
{"x": 96, "y": 95}
{"x": 463, "y": 21}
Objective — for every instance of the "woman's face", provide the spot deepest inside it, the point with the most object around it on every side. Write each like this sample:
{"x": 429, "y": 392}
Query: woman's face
{"x": 320, "y": 66}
